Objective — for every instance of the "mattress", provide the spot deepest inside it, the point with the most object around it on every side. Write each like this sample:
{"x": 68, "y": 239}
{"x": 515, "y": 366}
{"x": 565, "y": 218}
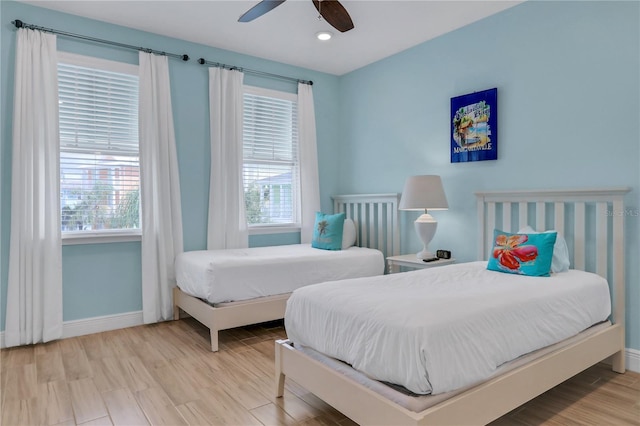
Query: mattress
{"x": 441, "y": 329}
{"x": 219, "y": 276}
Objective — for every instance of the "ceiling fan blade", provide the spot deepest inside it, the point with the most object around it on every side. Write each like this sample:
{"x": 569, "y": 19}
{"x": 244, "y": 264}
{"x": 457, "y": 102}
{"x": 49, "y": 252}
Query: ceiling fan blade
{"x": 335, "y": 14}
{"x": 260, "y": 9}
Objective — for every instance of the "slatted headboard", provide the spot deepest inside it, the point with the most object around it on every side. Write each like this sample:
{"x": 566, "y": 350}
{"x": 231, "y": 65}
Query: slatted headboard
{"x": 591, "y": 220}
{"x": 376, "y": 220}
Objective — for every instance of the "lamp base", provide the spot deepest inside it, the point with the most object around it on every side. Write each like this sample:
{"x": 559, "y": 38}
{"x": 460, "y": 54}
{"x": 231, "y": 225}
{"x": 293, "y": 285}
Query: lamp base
{"x": 426, "y": 255}
{"x": 425, "y": 227}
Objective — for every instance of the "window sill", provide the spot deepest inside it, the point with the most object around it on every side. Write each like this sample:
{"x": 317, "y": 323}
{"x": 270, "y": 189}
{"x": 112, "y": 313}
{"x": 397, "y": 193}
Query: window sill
{"x": 279, "y": 229}
{"x": 73, "y": 238}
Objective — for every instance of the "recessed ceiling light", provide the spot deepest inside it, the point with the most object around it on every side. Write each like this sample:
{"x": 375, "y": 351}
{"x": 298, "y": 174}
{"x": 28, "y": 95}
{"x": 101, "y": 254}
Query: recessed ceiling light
{"x": 324, "y": 35}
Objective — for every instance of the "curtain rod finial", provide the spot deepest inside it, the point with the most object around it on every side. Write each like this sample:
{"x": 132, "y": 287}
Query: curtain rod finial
{"x": 18, "y": 23}
{"x": 201, "y": 61}
{"x": 185, "y": 57}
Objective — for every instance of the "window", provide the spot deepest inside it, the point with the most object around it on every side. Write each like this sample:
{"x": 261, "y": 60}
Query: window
{"x": 99, "y": 168}
{"x": 270, "y": 172}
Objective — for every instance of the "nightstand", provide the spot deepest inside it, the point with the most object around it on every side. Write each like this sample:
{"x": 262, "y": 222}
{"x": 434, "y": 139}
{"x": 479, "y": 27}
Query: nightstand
{"x": 411, "y": 261}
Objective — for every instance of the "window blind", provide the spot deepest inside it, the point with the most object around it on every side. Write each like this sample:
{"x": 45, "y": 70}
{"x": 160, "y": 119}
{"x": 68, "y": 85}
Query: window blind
{"x": 270, "y": 153}
{"x": 99, "y": 166}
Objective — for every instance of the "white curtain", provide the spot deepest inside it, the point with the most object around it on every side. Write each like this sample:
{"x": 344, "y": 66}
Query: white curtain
{"x": 160, "y": 189}
{"x": 309, "y": 180}
{"x": 34, "y": 293}
{"x": 227, "y": 225}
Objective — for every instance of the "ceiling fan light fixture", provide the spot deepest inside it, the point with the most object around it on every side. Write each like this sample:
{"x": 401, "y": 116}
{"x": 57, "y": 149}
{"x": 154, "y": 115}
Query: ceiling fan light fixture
{"x": 324, "y": 35}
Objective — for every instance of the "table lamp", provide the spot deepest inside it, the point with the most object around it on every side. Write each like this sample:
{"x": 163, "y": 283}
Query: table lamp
{"x": 424, "y": 193}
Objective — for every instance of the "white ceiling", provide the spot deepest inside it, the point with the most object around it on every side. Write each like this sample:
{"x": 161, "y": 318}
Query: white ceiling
{"x": 287, "y": 33}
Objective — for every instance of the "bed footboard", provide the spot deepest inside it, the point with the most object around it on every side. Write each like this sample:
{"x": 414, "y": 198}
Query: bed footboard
{"x": 279, "y": 389}
{"x": 199, "y": 310}
{"x": 362, "y": 405}
{"x": 252, "y": 311}
{"x": 479, "y": 405}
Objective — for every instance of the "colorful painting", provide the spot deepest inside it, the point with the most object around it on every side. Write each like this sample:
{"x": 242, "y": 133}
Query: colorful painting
{"x": 474, "y": 126}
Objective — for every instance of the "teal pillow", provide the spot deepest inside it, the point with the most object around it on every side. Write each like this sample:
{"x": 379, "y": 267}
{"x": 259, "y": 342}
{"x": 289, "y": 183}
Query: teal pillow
{"x": 327, "y": 231}
{"x": 524, "y": 254}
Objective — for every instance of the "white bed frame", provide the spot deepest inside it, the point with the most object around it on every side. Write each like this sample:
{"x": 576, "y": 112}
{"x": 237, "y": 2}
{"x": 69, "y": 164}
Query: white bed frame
{"x": 376, "y": 220}
{"x": 593, "y": 249}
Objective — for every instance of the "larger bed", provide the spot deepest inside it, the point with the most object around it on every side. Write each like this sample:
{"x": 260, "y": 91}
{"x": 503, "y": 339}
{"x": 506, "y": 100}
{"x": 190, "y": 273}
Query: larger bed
{"x": 230, "y": 288}
{"x": 515, "y": 338}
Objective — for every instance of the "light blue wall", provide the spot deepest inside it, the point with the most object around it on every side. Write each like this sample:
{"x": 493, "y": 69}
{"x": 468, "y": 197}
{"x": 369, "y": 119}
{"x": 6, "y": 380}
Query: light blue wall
{"x": 101, "y": 279}
{"x": 567, "y": 75}
{"x": 104, "y": 279}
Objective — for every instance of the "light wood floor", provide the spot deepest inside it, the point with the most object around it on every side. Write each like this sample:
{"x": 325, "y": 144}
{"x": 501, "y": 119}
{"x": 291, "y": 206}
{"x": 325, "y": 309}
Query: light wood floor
{"x": 165, "y": 374}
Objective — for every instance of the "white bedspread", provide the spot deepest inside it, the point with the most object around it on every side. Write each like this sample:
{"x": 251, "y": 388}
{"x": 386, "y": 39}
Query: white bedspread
{"x": 439, "y": 329}
{"x": 240, "y": 274}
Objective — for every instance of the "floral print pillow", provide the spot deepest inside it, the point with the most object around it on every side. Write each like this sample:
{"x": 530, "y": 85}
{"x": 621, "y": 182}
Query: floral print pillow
{"x": 524, "y": 254}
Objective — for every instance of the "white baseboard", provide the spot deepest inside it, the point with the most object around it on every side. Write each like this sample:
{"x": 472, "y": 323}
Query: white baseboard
{"x": 633, "y": 360}
{"x": 100, "y": 324}
{"x": 96, "y": 325}
{"x": 130, "y": 319}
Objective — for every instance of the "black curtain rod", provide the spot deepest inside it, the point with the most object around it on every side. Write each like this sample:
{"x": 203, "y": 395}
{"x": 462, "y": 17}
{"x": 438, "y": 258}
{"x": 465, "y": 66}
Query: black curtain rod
{"x": 19, "y": 24}
{"x": 203, "y": 61}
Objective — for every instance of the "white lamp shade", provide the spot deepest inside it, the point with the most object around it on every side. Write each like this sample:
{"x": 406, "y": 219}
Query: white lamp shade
{"x": 423, "y": 193}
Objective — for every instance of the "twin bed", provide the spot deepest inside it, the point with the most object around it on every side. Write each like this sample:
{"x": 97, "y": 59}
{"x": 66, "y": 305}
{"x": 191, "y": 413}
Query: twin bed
{"x": 230, "y": 288}
{"x": 460, "y": 344}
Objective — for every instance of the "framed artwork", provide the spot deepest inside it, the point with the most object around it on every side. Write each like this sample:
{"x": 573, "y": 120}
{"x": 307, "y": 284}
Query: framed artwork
{"x": 474, "y": 126}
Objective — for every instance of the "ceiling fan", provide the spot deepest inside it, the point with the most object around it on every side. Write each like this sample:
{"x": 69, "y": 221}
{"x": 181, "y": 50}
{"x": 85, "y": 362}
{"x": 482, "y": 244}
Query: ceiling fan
{"x": 331, "y": 10}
